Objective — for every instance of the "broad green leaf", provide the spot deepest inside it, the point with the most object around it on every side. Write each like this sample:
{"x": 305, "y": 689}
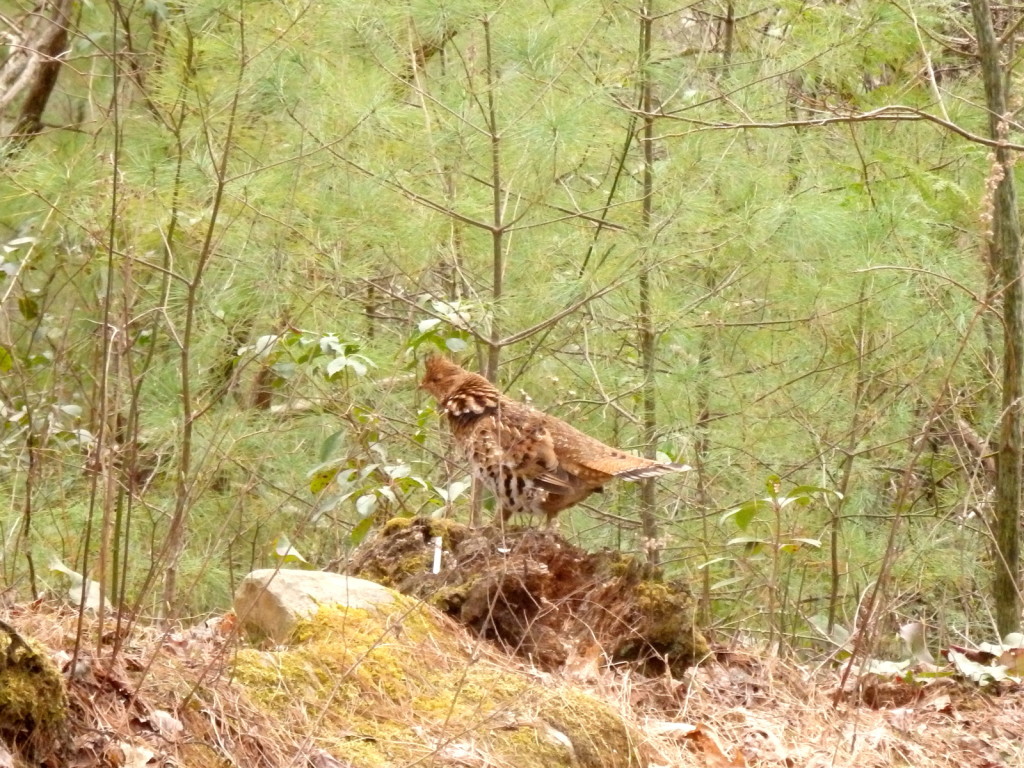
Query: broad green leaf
{"x": 12, "y": 245}
{"x": 328, "y": 503}
{"x": 411, "y": 483}
{"x": 356, "y": 365}
{"x": 839, "y": 635}
{"x": 365, "y": 504}
{"x": 811, "y": 490}
{"x": 455, "y": 344}
{"x": 28, "y": 307}
{"x": 322, "y": 476}
{"x": 794, "y": 545}
{"x": 264, "y": 345}
{"x": 455, "y": 489}
{"x": 816, "y": 543}
{"x": 329, "y": 344}
{"x": 750, "y": 544}
{"x": 715, "y": 561}
{"x": 335, "y": 365}
{"x": 745, "y": 512}
{"x": 328, "y": 446}
{"x": 286, "y": 552}
{"x": 397, "y": 471}
{"x": 360, "y": 531}
{"x": 6, "y": 361}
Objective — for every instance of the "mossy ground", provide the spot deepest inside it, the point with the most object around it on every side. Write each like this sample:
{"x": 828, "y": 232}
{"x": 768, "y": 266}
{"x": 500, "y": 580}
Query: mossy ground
{"x": 390, "y": 686}
{"x": 33, "y": 700}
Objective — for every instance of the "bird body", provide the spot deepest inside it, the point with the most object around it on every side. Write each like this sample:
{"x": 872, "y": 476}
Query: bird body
{"x": 532, "y": 462}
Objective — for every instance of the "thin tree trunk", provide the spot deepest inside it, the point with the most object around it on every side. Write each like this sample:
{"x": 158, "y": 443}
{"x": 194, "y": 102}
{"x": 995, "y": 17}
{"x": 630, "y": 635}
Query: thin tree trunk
{"x": 1005, "y": 255}
{"x": 497, "y": 214}
{"x": 648, "y": 351}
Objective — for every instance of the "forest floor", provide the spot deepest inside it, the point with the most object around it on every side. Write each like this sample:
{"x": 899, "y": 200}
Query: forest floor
{"x": 168, "y": 699}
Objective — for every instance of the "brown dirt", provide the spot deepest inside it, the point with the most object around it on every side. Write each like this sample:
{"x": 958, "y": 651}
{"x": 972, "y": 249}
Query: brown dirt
{"x": 539, "y": 596}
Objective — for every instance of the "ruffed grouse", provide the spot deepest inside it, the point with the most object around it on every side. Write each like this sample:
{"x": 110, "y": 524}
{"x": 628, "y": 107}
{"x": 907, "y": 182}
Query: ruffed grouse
{"x": 532, "y": 462}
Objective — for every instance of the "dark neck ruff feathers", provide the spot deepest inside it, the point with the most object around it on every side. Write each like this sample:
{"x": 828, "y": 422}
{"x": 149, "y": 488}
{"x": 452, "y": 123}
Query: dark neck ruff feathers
{"x": 472, "y": 400}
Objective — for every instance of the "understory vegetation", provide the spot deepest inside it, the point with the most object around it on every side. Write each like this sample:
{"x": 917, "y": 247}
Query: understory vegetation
{"x": 754, "y": 238}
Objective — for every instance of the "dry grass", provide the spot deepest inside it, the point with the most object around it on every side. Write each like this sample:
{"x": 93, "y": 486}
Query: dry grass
{"x": 169, "y": 699}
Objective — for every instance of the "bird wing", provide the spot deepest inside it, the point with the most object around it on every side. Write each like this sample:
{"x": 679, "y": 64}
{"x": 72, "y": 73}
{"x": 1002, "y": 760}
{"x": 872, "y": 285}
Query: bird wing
{"x": 598, "y": 463}
{"x": 528, "y": 447}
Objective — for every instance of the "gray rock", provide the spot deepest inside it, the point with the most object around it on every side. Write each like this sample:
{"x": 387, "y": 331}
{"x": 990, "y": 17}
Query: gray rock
{"x": 272, "y": 601}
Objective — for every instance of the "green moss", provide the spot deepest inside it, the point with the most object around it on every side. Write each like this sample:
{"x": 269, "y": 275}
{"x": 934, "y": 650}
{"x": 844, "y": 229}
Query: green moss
{"x": 389, "y": 685}
{"x": 600, "y": 738}
{"x": 33, "y": 701}
{"x": 396, "y": 524}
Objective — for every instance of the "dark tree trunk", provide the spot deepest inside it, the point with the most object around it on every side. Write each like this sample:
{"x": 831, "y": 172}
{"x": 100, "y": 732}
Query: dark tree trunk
{"x": 1004, "y": 249}
{"x": 29, "y": 74}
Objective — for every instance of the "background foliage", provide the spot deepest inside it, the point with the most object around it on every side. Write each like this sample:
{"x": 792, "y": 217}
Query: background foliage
{"x": 242, "y": 224}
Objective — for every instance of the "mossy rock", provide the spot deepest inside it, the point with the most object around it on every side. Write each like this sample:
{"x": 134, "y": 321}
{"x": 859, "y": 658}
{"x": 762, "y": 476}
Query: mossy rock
{"x": 400, "y": 684}
{"x": 33, "y": 699}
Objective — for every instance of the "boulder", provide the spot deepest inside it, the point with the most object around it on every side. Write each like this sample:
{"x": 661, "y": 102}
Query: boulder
{"x": 272, "y": 601}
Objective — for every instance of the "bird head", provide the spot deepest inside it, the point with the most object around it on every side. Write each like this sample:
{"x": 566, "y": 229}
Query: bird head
{"x": 442, "y": 377}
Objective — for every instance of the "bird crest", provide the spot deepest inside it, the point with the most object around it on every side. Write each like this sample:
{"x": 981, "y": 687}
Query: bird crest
{"x": 459, "y": 392}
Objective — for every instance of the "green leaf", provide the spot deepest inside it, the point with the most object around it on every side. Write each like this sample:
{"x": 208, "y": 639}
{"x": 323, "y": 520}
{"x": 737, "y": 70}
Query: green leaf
{"x": 28, "y": 307}
{"x": 796, "y": 544}
{"x": 337, "y": 364}
{"x": 6, "y": 361}
{"x": 455, "y": 489}
{"x": 356, "y": 365}
{"x": 751, "y": 544}
{"x": 360, "y": 531}
{"x": 813, "y": 490}
{"x": 286, "y": 552}
{"x": 264, "y": 345}
{"x": 397, "y": 471}
{"x": 816, "y": 543}
{"x": 456, "y": 344}
{"x": 745, "y": 512}
{"x": 330, "y": 444}
{"x": 327, "y": 503}
{"x": 715, "y": 561}
{"x": 429, "y": 324}
{"x": 365, "y": 504}
{"x": 322, "y": 476}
